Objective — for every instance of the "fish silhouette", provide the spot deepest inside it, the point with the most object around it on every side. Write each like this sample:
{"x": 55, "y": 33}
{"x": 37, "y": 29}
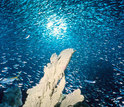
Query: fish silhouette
{"x": 89, "y": 81}
{"x": 10, "y": 80}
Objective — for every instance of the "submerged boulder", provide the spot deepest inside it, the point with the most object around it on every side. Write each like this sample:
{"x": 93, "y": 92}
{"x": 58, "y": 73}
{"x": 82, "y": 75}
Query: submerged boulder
{"x": 12, "y": 97}
{"x": 48, "y": 93}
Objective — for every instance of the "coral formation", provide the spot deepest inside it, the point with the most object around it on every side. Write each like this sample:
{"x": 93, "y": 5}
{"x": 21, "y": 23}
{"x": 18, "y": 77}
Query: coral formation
{"x": 48, "y": 92}
{"x": 12, "y": 97}
{"x": 72, "y": 99}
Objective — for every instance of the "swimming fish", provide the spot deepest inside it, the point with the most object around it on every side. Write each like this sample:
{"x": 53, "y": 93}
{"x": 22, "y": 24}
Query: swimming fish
{"x": 118, "y": 69}
{"x": 89, "y": 81}
{"x": 27, "y": 37}
{"x": 9, "y": 80}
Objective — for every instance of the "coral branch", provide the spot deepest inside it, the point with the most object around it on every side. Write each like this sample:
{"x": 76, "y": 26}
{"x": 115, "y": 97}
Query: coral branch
{"x": 49, "y": 90}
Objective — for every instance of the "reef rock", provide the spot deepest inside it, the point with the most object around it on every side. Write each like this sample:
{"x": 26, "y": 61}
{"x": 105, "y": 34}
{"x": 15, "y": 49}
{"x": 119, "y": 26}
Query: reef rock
{"x": 12, "y": 97}
{"x": 49, "y": 90}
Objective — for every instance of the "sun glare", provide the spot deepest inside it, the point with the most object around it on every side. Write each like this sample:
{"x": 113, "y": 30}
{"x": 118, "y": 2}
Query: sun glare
{"x": 56, "y": 26}
{"x": 49, "y": 24}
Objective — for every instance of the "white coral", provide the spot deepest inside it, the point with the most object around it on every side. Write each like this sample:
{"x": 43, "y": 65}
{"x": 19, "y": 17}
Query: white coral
{"x": 72, "y": 98}
{"x": 49, "y": 90}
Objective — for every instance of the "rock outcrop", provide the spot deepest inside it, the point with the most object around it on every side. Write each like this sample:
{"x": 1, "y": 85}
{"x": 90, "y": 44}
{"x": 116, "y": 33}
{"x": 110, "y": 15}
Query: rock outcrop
{"x": 48, "y": 92}
{"x": 12, "y": 97}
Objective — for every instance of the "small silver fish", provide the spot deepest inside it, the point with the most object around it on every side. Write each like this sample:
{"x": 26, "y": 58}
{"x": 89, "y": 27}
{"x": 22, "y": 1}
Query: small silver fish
{"x": 89, "y": 81}
{"x": 9, "y": 80}
{"x": 118, "y": 69}
{"x": 27, "y": 37}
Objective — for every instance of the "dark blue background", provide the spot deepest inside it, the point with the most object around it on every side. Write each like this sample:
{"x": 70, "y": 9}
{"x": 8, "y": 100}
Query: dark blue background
{"x": 95, "y": 29}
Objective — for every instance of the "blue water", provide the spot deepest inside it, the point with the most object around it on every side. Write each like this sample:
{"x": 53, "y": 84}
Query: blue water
{"x": 32, "y": 30}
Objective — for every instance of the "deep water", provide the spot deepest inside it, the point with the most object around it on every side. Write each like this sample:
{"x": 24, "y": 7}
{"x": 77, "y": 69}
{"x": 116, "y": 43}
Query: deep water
{"x": 32, "y": 30}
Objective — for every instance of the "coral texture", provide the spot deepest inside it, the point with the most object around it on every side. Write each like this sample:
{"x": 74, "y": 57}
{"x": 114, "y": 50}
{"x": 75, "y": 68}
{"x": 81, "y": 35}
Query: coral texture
{"x": 72, "y": 99}
{"x": 49, "y": 90}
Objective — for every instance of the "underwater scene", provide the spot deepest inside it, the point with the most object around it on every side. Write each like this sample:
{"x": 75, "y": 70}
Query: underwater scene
{"x": 31, "y": 31}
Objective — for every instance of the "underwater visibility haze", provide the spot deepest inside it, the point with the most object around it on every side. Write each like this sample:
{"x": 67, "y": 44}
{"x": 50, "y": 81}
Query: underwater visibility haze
{"x": 32, "y": 30}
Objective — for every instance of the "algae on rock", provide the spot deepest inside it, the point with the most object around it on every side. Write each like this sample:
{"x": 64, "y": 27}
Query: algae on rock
{"x": 49, "y": 90}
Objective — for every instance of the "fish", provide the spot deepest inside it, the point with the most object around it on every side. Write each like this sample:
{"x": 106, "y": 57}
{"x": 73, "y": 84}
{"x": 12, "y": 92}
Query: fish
{"x": 27, "y": 37}
{"x": 96, "y": 32}
{"x": 10, "y": 80}
{"x": 115, "y": 68}
{"x": 90, "y": 81}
